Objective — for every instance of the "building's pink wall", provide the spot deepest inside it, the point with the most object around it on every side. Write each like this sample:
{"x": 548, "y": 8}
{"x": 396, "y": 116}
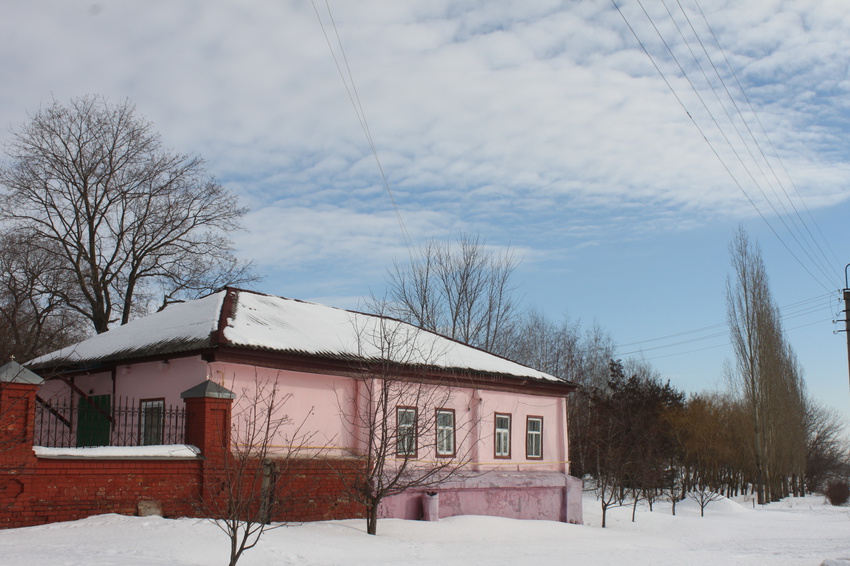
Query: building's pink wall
{"x": 475, "y": 411}
{"x": 160, "y": 379}
{"x": 152, "y": 380}
{"x": 520, "y": 407}
{"x": 549, "y": 496}
{"x": 324, "y": 407}
{"x": 313, "y": 403}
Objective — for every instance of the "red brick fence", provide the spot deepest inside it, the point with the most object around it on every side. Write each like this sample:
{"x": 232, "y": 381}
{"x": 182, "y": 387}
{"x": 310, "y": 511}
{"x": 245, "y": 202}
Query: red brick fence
{"x": 68, "y": 485}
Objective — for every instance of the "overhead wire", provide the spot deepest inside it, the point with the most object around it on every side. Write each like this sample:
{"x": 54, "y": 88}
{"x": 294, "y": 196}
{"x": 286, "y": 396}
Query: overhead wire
{"x": 724, "y": 164}
{"x": 809, "y": 242}
{"x": 792, "y": 311}
{"x": 768, "y": 138}
{"x": 354, "y": 97}
{"x": 731, "y": 147}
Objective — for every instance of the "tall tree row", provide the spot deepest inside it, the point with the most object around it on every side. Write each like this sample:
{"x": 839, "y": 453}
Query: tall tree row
{"x": 765, "y": 376}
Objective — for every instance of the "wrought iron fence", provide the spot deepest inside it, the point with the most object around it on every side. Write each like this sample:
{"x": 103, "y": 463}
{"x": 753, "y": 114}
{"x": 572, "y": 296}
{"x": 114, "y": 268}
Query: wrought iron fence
{"x": 66, "y": 423}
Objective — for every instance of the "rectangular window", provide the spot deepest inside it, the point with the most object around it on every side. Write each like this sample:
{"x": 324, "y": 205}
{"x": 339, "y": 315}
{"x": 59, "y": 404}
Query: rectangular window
{"x": 503, "y": 436}
{"x": 534, "y": 438}
{"x": 151, "y": 413}
{"x": 445, "y": 432}
{"x": 406, "y": 431}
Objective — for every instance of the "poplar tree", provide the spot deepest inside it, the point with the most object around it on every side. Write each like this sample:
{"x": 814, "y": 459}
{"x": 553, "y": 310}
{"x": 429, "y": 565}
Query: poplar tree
{"x": 765, "y": 375}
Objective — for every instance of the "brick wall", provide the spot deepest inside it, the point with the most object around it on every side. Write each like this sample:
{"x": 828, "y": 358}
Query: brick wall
{"x": 313, "y": 491}
{"x": 46, "y": 490}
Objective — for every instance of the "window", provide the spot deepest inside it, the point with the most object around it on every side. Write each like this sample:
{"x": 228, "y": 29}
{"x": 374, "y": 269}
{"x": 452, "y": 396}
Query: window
{"x": 445, "y": 432}
{"x": 503, "y": 436}
{"x": 151, "y": 412}
{"x": 406, "y": 431}
{"x": 534, "y": 437}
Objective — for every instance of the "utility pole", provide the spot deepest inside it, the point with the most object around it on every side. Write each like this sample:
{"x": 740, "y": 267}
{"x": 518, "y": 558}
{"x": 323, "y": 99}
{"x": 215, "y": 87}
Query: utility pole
{"x": 846, "y": 311}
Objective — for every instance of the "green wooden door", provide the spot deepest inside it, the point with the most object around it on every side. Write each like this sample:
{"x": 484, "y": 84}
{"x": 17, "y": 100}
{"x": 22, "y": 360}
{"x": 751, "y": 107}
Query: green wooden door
{"x": 93, "y": 425}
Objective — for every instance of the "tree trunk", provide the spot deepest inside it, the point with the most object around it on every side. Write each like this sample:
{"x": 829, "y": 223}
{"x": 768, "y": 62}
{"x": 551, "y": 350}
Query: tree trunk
{"x": 372, "y": 519}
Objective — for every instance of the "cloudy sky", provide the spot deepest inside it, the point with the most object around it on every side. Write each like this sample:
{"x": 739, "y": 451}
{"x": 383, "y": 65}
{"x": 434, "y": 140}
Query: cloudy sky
{"x": 615, "y": 151}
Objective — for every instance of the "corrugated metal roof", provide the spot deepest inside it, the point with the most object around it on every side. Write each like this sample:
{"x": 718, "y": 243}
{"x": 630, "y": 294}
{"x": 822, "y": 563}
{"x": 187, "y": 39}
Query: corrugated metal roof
{"x": 181, "y": 327}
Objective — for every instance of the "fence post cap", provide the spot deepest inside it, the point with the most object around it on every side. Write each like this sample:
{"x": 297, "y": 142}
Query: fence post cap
{"x": 13, "y": 372}
{"x": 208, "y": 389}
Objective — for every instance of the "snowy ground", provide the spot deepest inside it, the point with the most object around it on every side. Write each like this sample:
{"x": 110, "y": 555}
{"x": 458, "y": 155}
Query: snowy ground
{"x": 794, "y": 531}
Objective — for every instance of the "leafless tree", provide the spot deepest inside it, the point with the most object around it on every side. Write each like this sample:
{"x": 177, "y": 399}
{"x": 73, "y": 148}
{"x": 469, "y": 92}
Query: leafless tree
{"x": 572, "y": 353}
{"x": 461, "y": 290}
{"x": 242, "y": 495}
{"x": 703, "y": 497}
{"x": 827, "y": 452}
{"x": 124, "y": 221}
{"x": 408, "y": 433}
{"x": 766, "y": 374}
{"x": 33, "y": 318}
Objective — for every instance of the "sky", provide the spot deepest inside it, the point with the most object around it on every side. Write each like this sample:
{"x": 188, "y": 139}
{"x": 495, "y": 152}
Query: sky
{"x": 796, "y": 531}
{"x": 613, "y": 146}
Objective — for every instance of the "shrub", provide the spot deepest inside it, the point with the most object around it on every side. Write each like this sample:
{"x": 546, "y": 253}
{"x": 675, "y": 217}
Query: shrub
{"x": 838, "y": 492}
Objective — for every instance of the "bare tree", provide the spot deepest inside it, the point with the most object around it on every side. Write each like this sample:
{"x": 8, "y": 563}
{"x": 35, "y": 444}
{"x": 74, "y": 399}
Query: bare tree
{"x": 463, "y": 291}
{"x": 33, "y": 318}
{"x": 571, "y": 353}
{"x": 826, "y": 448}
{"x": 558, "y": 349}
{"x": 703, "y": 497}
{"x": 251, "y": 486}
{"x": 124, "y": 221}
{"x": 413, "y": 430}
{"x": 766, "y": 375}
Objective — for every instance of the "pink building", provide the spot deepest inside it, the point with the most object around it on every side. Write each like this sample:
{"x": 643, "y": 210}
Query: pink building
{"x": 504, "y": 422}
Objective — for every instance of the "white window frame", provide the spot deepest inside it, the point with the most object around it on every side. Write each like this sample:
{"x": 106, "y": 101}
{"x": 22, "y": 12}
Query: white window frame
{"x": 502, "y": 435}
{"x": 406, "y": 442}
{"x": 534, "y": 438}
{"x": 445, "y": 432}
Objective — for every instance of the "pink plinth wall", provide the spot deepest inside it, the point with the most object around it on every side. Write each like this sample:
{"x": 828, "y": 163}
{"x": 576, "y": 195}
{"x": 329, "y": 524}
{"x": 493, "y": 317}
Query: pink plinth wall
{"x": 550, "y": 496}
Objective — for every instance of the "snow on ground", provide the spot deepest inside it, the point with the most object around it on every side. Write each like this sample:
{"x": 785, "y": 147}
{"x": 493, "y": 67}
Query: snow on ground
{"x": 794, "y": 531}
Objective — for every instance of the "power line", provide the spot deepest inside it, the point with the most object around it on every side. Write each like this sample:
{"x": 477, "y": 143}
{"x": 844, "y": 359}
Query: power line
{"x": 354, "y": 97}
{"x": 792, "y": 311}
{"x": 769, "y": 140}
{"x": 811, "y": 240}
{"x": 727, "y": 140}
{"x": 767, "y": 199}
{"x": 784, "y": 316}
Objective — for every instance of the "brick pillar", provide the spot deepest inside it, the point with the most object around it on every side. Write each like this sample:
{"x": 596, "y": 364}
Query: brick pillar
{"x": 18, "y": 387}
{"x": 208, "y": 411}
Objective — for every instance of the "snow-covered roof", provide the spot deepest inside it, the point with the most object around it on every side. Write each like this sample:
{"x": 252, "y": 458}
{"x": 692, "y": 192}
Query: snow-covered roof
{"x": 181, "y": 327}
{"x": 264, "y": 322}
